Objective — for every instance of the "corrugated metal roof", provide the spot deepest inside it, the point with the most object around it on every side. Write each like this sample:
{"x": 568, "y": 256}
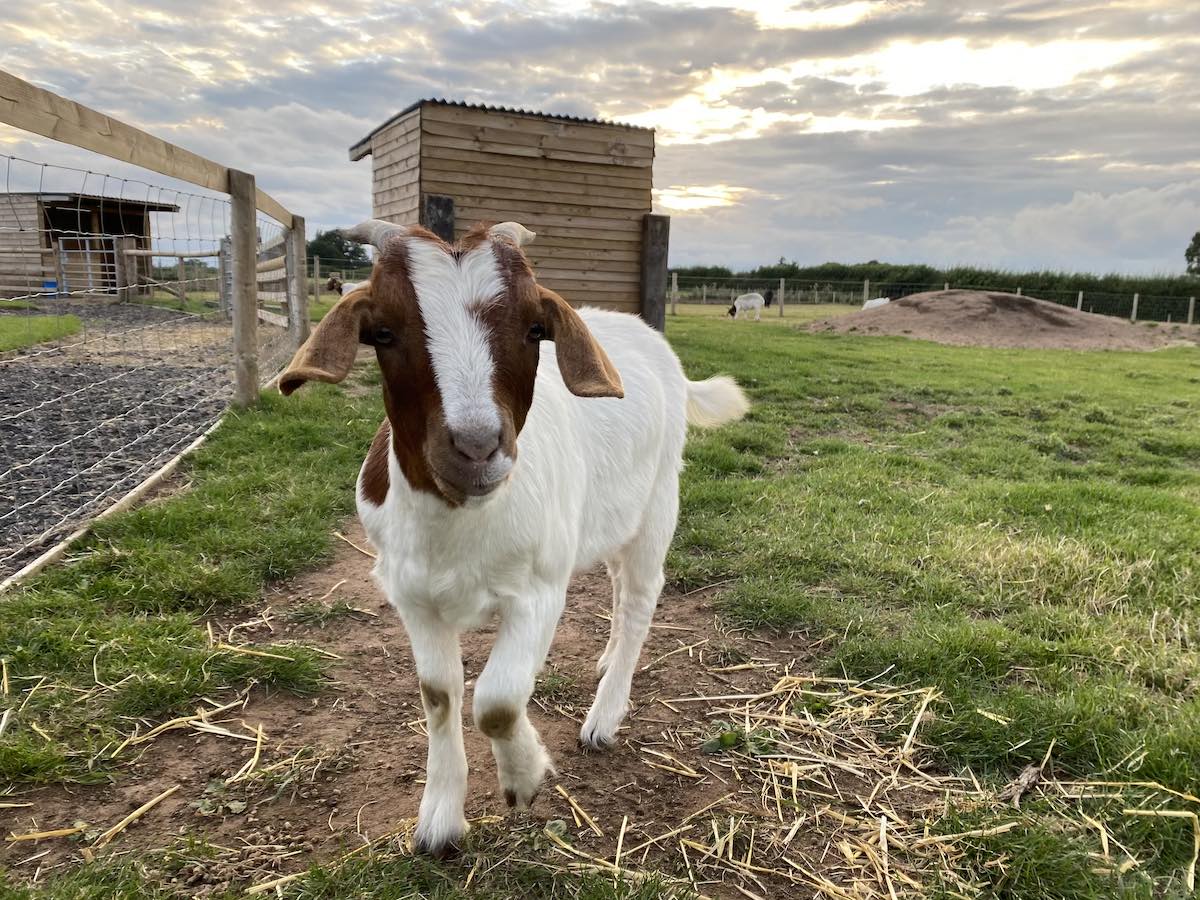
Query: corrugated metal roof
{"x": 439, "y": 101}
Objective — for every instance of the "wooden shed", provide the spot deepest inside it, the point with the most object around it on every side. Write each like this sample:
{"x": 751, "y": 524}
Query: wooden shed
{"x": 583, "y": 185}
{"x": 67, "y": 243}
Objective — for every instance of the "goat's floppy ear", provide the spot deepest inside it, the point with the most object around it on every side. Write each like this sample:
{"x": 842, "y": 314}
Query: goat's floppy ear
{"x": 585, "y": 367}
{"x": 329, "y": 352}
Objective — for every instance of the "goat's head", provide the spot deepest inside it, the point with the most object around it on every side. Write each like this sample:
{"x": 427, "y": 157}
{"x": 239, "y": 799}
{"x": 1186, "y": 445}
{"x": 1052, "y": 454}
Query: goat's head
{"x": 732, "y": 310}
{"x": 334, "y": 284}
{"x": 456, "y": 330}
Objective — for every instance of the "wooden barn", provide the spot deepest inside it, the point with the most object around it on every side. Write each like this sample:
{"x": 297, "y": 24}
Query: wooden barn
{"x": 67, "y": 243}
{"x": 583, "y": 185}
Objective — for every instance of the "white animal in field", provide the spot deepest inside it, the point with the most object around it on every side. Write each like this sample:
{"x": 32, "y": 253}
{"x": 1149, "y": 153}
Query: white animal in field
{"x": 752, "y": 301}
{"x": 340, "y": 287}
{"x": 876, "y": 301}
{"x": 524, "y": 442}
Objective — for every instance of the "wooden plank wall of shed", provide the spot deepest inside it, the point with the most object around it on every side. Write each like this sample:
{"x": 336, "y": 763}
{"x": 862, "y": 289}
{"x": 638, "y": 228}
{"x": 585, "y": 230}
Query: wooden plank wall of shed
{"x": 583, "y": 188}
{"x": 22, "y": 264}
{"x": 395, "y": 153}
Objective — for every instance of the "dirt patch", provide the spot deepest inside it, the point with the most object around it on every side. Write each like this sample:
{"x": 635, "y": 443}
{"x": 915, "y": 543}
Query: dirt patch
{"x": 349, "y": 763}
{"x": 778, "y": 779}
{"x": 987, "y": 319}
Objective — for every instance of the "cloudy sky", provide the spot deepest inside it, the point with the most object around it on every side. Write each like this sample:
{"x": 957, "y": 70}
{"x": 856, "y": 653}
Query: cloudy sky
{"x": 1018, "y": 133}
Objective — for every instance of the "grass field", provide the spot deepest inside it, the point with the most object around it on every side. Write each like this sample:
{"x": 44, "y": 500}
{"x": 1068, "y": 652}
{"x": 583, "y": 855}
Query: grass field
{"x": 1016, "y": 528}
{"x": 793, "y": 314}
{"x": 18, "y": 332}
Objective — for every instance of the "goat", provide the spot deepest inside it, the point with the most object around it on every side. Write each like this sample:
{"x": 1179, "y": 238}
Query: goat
{"x": 471, "y": 523}
{"x": 751, "y": 301}
{"x": 875, "y": 302}
{"x": 340, "y": 287}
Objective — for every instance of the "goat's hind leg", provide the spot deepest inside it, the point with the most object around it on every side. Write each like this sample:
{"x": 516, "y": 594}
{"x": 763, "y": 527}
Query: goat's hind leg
{"x": 614, "y": 574}
{"x": 503, "y": 691}
{"x": 640, "y": 583}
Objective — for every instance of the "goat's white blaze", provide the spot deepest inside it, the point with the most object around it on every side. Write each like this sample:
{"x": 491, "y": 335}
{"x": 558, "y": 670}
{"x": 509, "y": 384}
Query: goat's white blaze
{"x": 448, "y": 292}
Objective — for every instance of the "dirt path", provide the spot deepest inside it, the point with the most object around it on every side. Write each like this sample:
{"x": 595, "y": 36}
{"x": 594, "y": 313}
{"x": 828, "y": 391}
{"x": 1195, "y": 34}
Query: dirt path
{"x": 357, "y": 749}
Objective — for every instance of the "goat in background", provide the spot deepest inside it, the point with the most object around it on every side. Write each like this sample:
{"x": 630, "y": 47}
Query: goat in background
{"x": 752, "y": 301}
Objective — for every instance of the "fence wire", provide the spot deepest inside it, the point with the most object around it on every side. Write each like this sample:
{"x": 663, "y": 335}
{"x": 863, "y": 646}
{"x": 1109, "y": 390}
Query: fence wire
{"x": 115, "y": 340}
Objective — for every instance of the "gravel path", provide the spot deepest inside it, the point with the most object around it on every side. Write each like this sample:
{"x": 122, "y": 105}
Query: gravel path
{"x": 86, "y": 419}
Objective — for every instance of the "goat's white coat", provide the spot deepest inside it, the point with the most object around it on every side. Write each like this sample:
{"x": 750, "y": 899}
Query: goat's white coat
{"x": 875, "y": 301}
{"x": 748, "y": 302}
{"x": 448, "y": 290}
{"x": 594, "y": 480}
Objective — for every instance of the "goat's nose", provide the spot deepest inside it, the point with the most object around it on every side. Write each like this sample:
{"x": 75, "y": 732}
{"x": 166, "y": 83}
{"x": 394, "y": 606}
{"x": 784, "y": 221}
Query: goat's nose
{"x": 476, "y": 444}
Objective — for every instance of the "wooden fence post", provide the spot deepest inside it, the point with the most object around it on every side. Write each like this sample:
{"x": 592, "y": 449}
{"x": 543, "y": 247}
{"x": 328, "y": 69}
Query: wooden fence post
{"x": 1079, "y": 301}
{"x": 782, "y": 291}
{"x": 245, "y": 286}
{"x": 1191, "y": 310}
{"x": 656, "y": 234}
{"x": 1133, "y": 312}
{"x": 182, "y": 282}
{"x": 866, "y": 289}
{"x": 296, "y": 288}
{"x": 316, "y": 279}
{"x": 127, "y": 266}
{"x": 674, "y": 293}
{"x": 1018, "y": 292}
{"x": 946, "y": 286}
{"x": 704, "y": 294}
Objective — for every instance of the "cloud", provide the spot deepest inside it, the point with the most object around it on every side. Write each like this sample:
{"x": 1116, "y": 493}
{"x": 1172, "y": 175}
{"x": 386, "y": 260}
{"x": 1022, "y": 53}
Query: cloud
{"x": 1016, "y": 132}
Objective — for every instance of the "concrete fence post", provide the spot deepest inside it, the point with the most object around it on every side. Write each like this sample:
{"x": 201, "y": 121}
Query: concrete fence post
{"x": 1019, "y": 291}
{"x": 1133, "y": 312}
{"x": 244, "y": 247}
{"x": 946, "y": 286}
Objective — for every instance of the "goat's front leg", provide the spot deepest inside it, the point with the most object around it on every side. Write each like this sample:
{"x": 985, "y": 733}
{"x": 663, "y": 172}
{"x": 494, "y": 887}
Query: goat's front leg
{"x": 503, "y": 691}
{"x": 440, "y": 822}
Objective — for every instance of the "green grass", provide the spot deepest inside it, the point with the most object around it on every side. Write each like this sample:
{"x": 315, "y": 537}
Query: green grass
{"x": 1018, "y": 528}
{"x": 128, "y": 610}
{"x": 793, "y": 313}
{"x": 18, "y": 332}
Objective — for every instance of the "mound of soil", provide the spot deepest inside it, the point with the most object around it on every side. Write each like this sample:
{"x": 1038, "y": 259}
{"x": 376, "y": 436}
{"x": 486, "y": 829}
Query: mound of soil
{"x": 987, "y": 319}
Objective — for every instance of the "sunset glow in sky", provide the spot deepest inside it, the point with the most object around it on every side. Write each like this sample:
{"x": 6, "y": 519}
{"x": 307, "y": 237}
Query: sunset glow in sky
{"x": 1016, "y": 133}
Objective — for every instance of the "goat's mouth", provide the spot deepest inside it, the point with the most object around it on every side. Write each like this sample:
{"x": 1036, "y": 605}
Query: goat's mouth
{"x": 470, "y": 483}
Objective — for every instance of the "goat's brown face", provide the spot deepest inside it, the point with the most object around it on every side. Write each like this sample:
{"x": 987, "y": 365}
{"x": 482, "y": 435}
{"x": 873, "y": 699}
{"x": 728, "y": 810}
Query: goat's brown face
{"x": 456, "y": 331}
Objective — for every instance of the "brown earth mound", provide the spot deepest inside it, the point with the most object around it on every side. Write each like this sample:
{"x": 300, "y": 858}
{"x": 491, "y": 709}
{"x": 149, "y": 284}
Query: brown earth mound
{"x": 986, "y": 319}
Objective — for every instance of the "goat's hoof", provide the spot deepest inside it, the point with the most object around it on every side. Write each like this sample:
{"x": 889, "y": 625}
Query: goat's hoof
{"x": 590, "y": 739}
{"x": 514, "y": 800}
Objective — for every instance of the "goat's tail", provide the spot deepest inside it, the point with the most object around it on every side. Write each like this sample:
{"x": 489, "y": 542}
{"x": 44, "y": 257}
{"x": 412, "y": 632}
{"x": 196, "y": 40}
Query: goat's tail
{"x": 715, "y": 401}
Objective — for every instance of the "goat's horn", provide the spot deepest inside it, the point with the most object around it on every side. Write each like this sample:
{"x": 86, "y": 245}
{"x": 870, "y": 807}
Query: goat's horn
{"x": 373, "y": 232}
{"x": 514, "y": 231}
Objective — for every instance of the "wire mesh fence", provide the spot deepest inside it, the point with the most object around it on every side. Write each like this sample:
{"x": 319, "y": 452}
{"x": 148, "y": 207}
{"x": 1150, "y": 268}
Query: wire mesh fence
{"x": 116, "y": 344}
{"x": 722, "y": 291}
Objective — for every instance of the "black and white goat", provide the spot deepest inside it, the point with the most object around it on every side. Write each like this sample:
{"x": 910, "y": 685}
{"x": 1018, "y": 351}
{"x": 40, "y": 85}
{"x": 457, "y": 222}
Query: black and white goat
{"x": 753, "y": 301}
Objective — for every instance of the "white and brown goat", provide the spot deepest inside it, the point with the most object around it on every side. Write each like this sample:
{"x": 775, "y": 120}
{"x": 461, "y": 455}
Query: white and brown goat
{"x": 524, "y": 441}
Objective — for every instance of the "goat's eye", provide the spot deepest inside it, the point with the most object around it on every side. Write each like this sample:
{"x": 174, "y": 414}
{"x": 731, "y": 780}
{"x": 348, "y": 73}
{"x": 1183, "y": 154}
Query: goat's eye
{"x": 382, "y": 336}
{"x": 537, "y": 333}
